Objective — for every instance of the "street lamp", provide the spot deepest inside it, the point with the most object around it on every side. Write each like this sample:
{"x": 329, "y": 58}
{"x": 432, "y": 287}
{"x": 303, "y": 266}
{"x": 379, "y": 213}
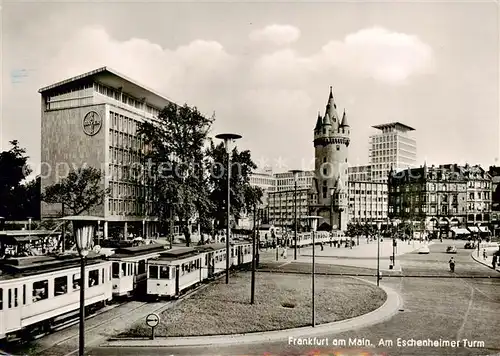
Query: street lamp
{"x": 295, "y": 178}
{"x": 29, "y": 230}
{"x": 228, "y": 139}
{"x": 84, "y": 228}
{"x": 313, "y": 221}
{"x": 379, "y": 225}
{"x": 255, "y": 232}
{"x": 394, "y": 243}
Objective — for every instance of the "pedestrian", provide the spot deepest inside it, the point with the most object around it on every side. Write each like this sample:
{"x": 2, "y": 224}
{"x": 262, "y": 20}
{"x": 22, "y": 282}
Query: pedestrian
{"x": 452, "y": 264}
{"x": 484, "y": 254}
{"x": 285, "y": 252}
{"x": 322, "y": 246}
{"x": 494, "y": 261}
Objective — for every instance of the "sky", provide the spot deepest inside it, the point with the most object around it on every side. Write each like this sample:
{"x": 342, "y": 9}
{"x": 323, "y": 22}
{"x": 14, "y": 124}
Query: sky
{"x": 265, "y": 69}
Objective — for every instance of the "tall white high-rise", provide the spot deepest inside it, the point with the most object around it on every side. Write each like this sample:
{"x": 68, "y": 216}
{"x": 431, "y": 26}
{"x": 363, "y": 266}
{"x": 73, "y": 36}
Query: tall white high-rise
{"x": 392, "y": 147}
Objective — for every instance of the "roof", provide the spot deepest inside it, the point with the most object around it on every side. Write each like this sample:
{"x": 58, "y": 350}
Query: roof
{"x": 395, "y": 125}
{"x": 111, "y": 78}
{"x": 210, "y": 247}
{"x": 23, "y": 266}
{"x": 14, "y": 237}
{"x": 177, "y": 254}
{"x": 140, "y": 250}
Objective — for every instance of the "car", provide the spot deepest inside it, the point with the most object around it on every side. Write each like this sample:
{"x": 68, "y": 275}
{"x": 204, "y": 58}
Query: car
{"x": 451, "y": 249}
{"x": 424, "y": 250}
{"x": 470, "y": 245}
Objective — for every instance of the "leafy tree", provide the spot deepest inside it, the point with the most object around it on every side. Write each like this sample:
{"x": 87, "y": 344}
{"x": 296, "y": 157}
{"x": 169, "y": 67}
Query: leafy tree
{"x": 242, "y": 197}
{"x": 176, "y": 151}
{"x": 80, "y": 191}
{"x": 13, "y": 171}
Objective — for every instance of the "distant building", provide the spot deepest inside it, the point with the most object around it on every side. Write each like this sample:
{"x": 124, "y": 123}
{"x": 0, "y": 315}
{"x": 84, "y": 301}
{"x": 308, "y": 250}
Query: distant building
{"x": 360, "y": 173}
{"x": 393, "y": 147}
{"x": 442, "y": 198}
{"x": 367, "y": 201}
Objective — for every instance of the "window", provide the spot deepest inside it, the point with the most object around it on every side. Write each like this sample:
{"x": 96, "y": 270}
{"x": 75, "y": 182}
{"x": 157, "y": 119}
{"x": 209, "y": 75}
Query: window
{"x": 24, "y": 295}
{"x": 60, "y": 285}
{"x": 10, "y": 299}
{"x": 40, "y": 290}
{"x": 102, "y": 279}
{"x": 124, "y": 269}
{"x": 1, "y": 298}
{"x": 142, "y": 267}
{"x": 76, "y": 282}
{"x": 93, "y": 278}
{"x": 153, "y": 272}
{"x": 115, "y": 270}
{"x": 164, "y": 272}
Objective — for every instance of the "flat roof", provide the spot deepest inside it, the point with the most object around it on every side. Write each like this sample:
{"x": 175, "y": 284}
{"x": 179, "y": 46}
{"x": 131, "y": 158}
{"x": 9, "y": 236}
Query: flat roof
{"x": 111, "y": 78}
{"x": 396, "y": 124}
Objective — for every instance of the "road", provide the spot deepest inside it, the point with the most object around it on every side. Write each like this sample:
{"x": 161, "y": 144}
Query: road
{"x": 438, "y": 305}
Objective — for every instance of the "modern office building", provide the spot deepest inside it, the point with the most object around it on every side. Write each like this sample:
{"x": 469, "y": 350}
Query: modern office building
{"x": 442, "y": 198}
{"x": 392, "y": 147}
{"x": 92, "y": 119}
{"x": 360, "y": 173}
{"x": 367, "y": 201}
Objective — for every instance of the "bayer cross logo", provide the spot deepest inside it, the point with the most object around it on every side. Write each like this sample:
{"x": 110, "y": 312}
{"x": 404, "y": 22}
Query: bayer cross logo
{"x": 92, "y": 123}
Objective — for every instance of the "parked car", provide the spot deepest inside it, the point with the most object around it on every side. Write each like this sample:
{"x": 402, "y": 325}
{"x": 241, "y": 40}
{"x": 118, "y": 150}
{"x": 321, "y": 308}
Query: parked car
{"x": 424, "y": 250}
{"x": 470, "y": 245}
{"x": 451, "y": 249}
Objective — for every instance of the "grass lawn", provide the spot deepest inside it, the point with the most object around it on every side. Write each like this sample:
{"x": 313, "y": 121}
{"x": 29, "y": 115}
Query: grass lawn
{"x": 226, "y": 309}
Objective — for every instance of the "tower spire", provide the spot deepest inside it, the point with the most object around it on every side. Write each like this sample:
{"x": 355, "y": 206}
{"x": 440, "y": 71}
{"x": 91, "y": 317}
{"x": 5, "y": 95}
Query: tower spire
{"x": 344, "y": 120}
{"x": 331, "y": 111}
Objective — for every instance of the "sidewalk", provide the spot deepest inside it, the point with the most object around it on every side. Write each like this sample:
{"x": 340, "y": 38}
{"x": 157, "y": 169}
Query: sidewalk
{"x": 385, "y": 312}
{"x": 489, "y": 258}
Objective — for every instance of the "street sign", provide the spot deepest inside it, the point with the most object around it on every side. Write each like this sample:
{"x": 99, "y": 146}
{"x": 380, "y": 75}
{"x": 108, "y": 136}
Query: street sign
{"x": 152, "y": 320}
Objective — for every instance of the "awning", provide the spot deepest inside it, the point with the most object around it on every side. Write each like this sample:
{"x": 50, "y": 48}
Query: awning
{"x": 484, "y": 229}
{"x": 473, "y": 228}
{"x": 460, "y": 231}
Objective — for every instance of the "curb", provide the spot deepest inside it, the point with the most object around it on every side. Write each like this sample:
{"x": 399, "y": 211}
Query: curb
{"x": 390, "y": 308}
{"x": 477, "y": 259}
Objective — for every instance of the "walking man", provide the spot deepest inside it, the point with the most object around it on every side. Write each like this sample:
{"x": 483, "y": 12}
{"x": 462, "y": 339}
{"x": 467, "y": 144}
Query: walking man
{"x": 452, "y": 264}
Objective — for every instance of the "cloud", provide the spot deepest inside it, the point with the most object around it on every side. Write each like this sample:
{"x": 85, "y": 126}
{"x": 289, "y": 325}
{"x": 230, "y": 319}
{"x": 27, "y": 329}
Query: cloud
{"x": 378, "y": 53}
{"x": 180, "y": 72}
{"x": 277, "y": 34}
{"x": 386, "y": 56}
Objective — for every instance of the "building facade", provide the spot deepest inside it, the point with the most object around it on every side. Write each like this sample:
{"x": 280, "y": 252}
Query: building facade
{"x": 441, "y": 198}
{"x": 367, "y": 201}
{"x": 393, "y": 147}
{"x": 360, "y": 173}
{"x": 92, "y": 120}
{"x": 328, "y": 195}
{"x": 282, "y": 207}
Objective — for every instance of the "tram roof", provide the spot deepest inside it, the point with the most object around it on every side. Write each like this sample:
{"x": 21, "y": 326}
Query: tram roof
{"x": 31, "y": 265}
{"x": 139, "y": 250}
{"x": 211, "y": 247}
{"x": 15, "y": 237}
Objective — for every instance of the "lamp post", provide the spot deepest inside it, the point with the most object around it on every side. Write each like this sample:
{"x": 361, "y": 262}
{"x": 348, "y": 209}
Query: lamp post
{"x": 394, "y": 243}
{"x": 228, "y": 138}
{"x": 84, "y": 230}
{"x": 379, "y": 225}
{"x": 252, "y": 295}
{"x": 295, "y": 178}
{"x": 313, "y": 221}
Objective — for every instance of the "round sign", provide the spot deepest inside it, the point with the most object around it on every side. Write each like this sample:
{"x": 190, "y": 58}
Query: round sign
{"x": 92, "y": 123}
{"x": 152, "y": 320}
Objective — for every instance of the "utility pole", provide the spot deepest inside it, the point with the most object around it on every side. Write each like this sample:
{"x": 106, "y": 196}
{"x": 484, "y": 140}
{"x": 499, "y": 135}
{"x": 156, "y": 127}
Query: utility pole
{"x": 252, "y": 297}
{"x": 63, "y": 233}
{"x": 171, "y": 225}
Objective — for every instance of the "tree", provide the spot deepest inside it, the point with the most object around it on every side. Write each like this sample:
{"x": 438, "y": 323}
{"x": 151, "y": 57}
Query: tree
{"x": 176, "y": 152}
{"x": 13, "y": 171}
{"x": 240, "y": 193}
{"x": 80, "y": 191}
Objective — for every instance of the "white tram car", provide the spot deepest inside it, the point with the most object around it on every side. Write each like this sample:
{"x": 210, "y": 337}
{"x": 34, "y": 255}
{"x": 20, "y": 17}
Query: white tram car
{"x": 42, "y": 292}
{"x": 177, "y": 270}
{"x": 129, "y": 268}
{"x": 305, "y": 239}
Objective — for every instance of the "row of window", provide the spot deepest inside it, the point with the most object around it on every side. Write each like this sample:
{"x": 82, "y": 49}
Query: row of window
{"x": 129, "y": 207}
{"x": 69, "y": 103}
{"x": 41, "y": 288}
{"x": 377, "y": 213}
{"x": 129, "y": 191}
{"x": 125, "y": 141}
{"x": 127, "y": 268}
{"x": 125, "y": 99}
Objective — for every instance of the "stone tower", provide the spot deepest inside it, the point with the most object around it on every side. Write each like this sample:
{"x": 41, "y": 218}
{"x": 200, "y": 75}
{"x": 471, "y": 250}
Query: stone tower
{"x": 328, "y": 197}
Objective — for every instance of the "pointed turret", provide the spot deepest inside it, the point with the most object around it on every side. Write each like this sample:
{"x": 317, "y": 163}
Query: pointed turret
{"x": 331, "y": 111}
{"x": 327, "y": 121}
{"x": 318, "y": 123}
{"x": 344, "y": 120}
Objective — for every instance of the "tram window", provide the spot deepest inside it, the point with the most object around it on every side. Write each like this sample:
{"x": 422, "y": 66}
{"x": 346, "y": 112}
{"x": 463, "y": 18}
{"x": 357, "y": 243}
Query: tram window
{"x": 129, "y": 265}
{"x": 164, "y": 272}
{"x": 1, "y": 298}
{"x": 124, "y": 269}
{"x": 142, "y": 267}
{"x": 93, "y": 278}
{"x": 206, "y": 259}
{"x": 40, "y": 290}
{"x": 24, "y": 294}
{"x": 15, "y": 298}
{"x": 153, "y": 272}
{"x": 116, "y": 270}
{"x": 76, "y": 282}
{"x": 60, "y": 285}
{"x": 10, "y": 298}
{"x": 102, "y": 276}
